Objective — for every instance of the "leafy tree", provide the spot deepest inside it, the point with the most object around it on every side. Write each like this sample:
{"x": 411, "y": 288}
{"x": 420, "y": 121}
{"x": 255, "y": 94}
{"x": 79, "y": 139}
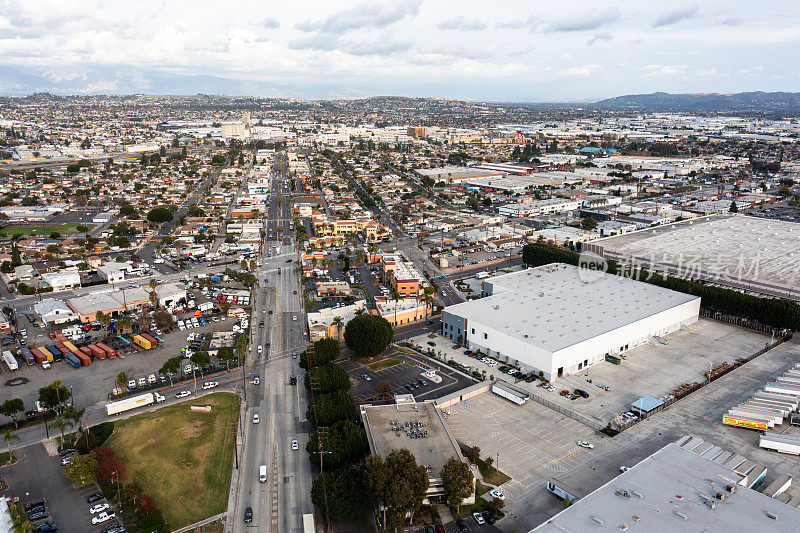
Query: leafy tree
{"x": 171, "y": 366}
{"x": 163, "y": 319}
{"x": 473, "y": 454}
{"x": 82, "y": 468}
{"x": 384, "y": 387}
{"x": 61, "y": 423}
{"x": 109, "y": 466}
{"x": 54, "y": 395}
{"x": 345, "y": 443}
{"x": 144, "y": 505}
{"x": 457, "y": 481}
{"x": 339, "y": 493}
{"x": 226, "y": 354}
{"x": 159, "y": 215}
{"x": 588, "y": 223}
{"x": 406, "y": 485}
{"x": 733, "y": 208}
{"x": 11, "y": 407}
{"x": 327, "y": 409}
{"x": 200, "y": 358}
{"x": 321, "y": 353}
{"x": 329, "y": 378}
{"x": 496, "y": 504}
{"x": 368, "y": 335}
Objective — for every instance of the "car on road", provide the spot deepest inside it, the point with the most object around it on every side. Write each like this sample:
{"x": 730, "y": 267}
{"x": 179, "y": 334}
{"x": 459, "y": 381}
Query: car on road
{"x": 183, "y": 394}
{"x": 585, "y": 444}
{"x": 497, "y": 493}
{"x": 270, "y": 312}
{"x": 210, "y": 385}
{"x": 96, "y": 497}
{"x": 99, "y": 507}
{"x": 102, "y": 517}
{"x": 366, "y": 377}
{"x": 263, "y": 309}
{"x": 294, "y": 317}
{"x": 478, "y": 517}
{"x": 248, "y": 515}
{"x": 259, "y": 349}
{"x": 624, "y": 468}
{"x": 295, "y": 445}
{"x": 256, "y": 418}
{"x": 256, "y": 381}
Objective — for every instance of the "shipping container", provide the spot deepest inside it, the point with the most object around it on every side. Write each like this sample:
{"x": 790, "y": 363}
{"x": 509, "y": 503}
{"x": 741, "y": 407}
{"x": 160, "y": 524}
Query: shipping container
{"x": 110, "y": 352}
{"x": 85, "y": 359}
{"x": 60, "y": 336}
{"x": 153, "y": 341}
{"x": 60, "y": 347}
{"x": 71, "y": 347}
{"x": 510, "y": 394}
{"x": 27, "y": 355}
{"x": 86, "y": 351}
{"x": 9, "y": 360}
{"x": 57, "y": 355}
{"x": 39, "y": 355}
{"x": 48, "y": 355}
{"x": 97, "y": 352}
{"x": 141, "y": 341}
{"x": 71, "y": 359}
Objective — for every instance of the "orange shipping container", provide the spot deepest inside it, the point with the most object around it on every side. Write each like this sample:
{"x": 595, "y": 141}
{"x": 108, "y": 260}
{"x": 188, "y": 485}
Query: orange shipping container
{"x": 110, "y": 352}
{"x": 85, "y": 359}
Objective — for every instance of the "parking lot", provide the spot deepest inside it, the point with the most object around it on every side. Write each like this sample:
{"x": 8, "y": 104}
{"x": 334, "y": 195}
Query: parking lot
{"x": 648, "y": 370}
{"x": 92, "y": 384}
{"x": 37, "y": 476}
{"x": 407, "y": 372}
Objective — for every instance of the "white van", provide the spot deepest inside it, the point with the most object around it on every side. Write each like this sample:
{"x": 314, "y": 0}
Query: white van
{"x": 262, "y": 473}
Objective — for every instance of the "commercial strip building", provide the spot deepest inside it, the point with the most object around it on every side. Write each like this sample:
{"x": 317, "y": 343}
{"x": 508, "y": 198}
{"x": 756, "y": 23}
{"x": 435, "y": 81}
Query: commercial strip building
{"x": 112, "y": 303}
{"x": 53, "y": 311}
{"x": 406, "y": 280}
{"x": 539, "y": 207}
{"x": 751, "y": 254}
{"x": 402, "y": 311}
{"x": 62, "y": 281}
{"x": 685, "y": 486}
{"x": 417, "y": 427}
{"x": 559, "y": 319}
{"x": 331, "y": 321}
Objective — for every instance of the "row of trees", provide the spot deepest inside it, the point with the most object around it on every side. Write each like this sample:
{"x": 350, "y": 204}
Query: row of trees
{"x": 774, "y": 312}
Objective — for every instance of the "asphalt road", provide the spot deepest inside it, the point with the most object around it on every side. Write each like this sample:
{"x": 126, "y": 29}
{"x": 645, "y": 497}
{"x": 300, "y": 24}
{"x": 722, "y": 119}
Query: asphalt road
{"x": 279, "y": 503}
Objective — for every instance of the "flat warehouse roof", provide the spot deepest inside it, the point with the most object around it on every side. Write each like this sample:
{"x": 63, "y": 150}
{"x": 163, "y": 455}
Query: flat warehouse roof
{"x": 737, "y": 245}
{"x": 556, "y": 306}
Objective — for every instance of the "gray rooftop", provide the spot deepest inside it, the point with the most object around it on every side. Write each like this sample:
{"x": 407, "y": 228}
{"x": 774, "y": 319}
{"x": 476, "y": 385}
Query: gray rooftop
{"x": 434, "y": 450}
{"x": 672, "y": 481}
{"x": 553, "y": 307}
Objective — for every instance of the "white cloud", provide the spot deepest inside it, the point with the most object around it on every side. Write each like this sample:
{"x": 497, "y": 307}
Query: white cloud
{"x": 599, "y": 38}
{"x": 461, "y": 23}
{"x": 363, "y": 15}
{"x": 590, "y": 20}
{"x": 269, "y": 23}
{"x": 675, "y": 15}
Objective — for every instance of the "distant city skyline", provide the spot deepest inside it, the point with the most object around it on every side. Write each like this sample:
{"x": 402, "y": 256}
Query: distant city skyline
{"x": 511, "y": 50}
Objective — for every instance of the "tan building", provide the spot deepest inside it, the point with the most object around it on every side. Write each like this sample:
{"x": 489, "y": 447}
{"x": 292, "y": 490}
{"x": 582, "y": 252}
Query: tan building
{"x": 402, "y": 311}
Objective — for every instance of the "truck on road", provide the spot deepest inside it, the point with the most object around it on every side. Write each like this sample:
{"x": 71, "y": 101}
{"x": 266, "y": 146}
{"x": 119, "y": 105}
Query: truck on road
{"x": 133, "y": 402}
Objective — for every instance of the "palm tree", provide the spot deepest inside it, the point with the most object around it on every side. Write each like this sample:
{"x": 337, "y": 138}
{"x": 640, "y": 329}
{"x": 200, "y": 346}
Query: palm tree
{"x": 396, "y": 298}
{"x": 153, "y": 283}
{"x": 122, "y": 381}
{"x": 337, "y": 321}
{"x": 9, "y": 437}
{"x": 61, "y": 423}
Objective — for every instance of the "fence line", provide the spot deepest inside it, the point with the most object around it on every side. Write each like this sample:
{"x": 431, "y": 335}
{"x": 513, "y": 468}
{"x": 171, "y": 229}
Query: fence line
{"x": 594, "y": 424}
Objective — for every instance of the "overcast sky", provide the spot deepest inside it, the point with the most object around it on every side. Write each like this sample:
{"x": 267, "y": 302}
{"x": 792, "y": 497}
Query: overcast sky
{"x": 518, "y": 50}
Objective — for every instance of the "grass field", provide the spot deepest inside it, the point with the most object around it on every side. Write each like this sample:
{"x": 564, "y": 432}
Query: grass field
{"x": 386, "y": 363}
{"x": 43, "y": 229}
{"x": 181, "y": 458}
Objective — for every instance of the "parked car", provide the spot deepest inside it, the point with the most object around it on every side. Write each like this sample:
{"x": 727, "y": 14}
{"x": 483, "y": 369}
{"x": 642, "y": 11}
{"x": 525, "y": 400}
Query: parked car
{"x": 33, "y": 505}
{"x": 489, "y": 517}
{"x": 585, "y": 444}
{"x": 431, "y": 343}
{"x": 102, "y": 517}
{"x": 99, "y": 507}
{"x": 366, "y": 377}
{"x": 564, "y": 392}
{"x": 97, "y": 496}
{"x": 46, "y": 527}
{"x": 462, "y": 525}
{"x": 582, "y": 393}
{"x": 131, "y": 383}
{"x": 478, "y": 517}
{"x": 39, "y": 515}
{"x": 142, "y": 382}
{"x": 497, "y": 493}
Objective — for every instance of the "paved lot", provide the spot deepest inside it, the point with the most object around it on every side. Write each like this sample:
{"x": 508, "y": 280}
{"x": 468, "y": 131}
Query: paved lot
{"x": 398, "y": 376}
{"x": 37, "y": 475}
{"x": 93, "y": 383}
{"x": 534, "y": 443}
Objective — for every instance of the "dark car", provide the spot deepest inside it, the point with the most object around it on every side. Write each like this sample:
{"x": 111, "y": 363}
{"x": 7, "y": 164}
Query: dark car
{"x": 431, "y": 343}
{"x": 33, "y": 505}
{"x": 46, "y": 527}
{"x": 270, "y": 312}
{"x": 41, "y": 515}
{"x": 97, "y": 496}
{"x": 582, "y": 393}
{"x": 429, "y": 529}
{"x": 114, "y": 527}
{"x": 467, "y": 352}
{"x": 489, "y": 517}
{"x": 462, "y": 525}
{"x": 38, "y": 509}
{"x": 248, "y": 515}
{"x": 67, "y": 451}
{"x": 261, "y": 324}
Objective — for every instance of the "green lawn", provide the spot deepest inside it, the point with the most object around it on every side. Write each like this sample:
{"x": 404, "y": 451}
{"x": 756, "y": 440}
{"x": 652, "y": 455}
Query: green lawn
{"x": 181, "y": 458}
{"x": 386, "y": 363}
{"x": 43, "y": 229}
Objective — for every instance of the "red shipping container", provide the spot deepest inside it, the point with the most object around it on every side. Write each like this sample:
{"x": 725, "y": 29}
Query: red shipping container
{"x": 85, "y": 359}
{"x": 152, "y": 339}
{"x": 63, "y": 349}
{"x": 97, "y": 352}
{"x": 110, "y": 352}
{"x": 38, "y": 355}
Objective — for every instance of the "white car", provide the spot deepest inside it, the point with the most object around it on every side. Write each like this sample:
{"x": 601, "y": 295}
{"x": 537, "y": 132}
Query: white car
{"x": 585, "y": 444}
{"x": 183, "y": 394}
{"x": 131, "y": 383}
{"x": 256, "y": 380}
{"x": 103, "y": 517}
{"x": 294, "y": 317}
{"x": 624, "y": 469}
{"x": 256, "y": 418}
{"x": 478, "y": 517}
{"x": 99, "y": 507}
{"x": 210, "y": 385}
{"x": 497, "y": 493}
{"x": 295, "y": 445}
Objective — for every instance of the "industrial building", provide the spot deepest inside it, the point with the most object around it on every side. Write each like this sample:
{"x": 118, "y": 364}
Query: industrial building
{"x": 559, "y": 319}
{"x": 751, "y": 254}
{"x": 539, "y": 207}
{"x": 684, "y": 486}
{"x": 417, "y": 427}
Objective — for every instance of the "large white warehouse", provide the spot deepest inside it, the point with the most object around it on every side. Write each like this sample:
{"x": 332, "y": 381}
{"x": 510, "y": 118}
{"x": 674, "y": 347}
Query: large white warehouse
{"x": 558, "y": 320}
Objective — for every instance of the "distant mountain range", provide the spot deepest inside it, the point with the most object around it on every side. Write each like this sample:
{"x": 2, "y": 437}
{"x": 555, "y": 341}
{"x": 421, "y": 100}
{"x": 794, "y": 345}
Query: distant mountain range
{"x": 756, "y": 102}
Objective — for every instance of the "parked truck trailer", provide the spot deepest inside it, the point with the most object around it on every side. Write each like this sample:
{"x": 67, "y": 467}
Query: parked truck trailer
{"x": 127, "y": 404}
{"x": 9, "y": 360}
